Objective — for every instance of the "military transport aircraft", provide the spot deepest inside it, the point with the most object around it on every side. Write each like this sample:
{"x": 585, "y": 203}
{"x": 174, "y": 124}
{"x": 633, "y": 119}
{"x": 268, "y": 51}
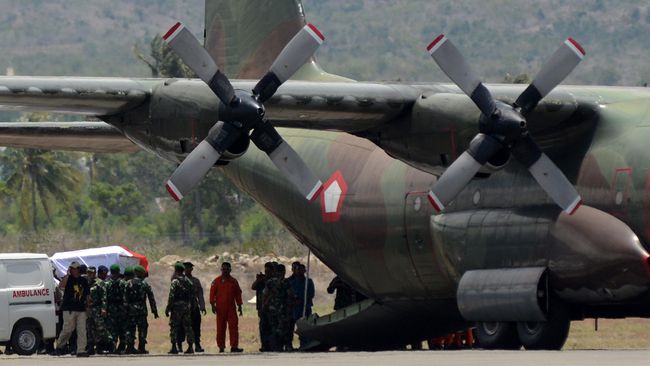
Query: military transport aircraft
{"x": 519, "y": 209}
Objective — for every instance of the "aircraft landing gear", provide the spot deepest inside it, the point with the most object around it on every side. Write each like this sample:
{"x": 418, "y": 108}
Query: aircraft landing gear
{"x": 497, "y": 335}
{"x": 549, "y": 335}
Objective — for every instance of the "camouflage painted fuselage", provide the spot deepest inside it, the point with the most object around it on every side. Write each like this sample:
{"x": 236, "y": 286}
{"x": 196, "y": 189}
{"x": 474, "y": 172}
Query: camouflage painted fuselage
{"x": 382, "y": 235}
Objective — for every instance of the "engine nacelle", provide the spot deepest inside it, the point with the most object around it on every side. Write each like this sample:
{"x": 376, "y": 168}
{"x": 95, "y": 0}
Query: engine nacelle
{"x": 437, "y": 131}
{"x": 181, "y": 114}
{"x": 442, "y": 124}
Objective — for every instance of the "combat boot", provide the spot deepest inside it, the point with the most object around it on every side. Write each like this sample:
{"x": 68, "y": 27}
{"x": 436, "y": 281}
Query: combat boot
{"x": 189, "y": 348}
{"x": 174, "y": 350}
{"x": 110, "y": 347}
{"x": 130, "y": 350}
{"x": 91, "y": 348}
{"x": 198, "y": 348}
{"x": 120, "y": 349}
{"x": 59, "y": 351}
{"x": 179, "y": 346}
{"x": 141, "y": 348}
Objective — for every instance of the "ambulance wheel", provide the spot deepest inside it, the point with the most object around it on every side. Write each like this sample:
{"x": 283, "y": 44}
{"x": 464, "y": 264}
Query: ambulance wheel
{"x": 497, "y": 335}
{"x": 548, "y": 335}
{"x": 25, "y": 339}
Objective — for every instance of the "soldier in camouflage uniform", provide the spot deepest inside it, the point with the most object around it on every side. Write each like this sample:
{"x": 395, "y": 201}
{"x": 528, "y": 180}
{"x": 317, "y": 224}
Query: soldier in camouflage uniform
{"x": 91, "y": 273}
{"x": 102, "y": 339}
{"x": 264, "y": 325}
{"x": 197, "y": 309}
{"x": 179, "y": 304}
{"x": 129, "y": 318}
{"x": 116, "y": 310}
{"x": 136, "y": 293}
{"x": 278, "y": 301}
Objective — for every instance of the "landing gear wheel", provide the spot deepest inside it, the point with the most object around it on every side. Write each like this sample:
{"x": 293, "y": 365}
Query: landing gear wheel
{"x": 549, "y": 335}
{"x": 25, "y": 339}
{"x": 497, "y": 335}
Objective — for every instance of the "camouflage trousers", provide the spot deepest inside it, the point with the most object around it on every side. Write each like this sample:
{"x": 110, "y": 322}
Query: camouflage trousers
{"x": 97, "y": 331}
{"x": 196, "y": 327}
{"x": 136, "y": 321}
{"x": 115, "y": 322}
{"x": 181, "y": 318}
{"x": 279, "y": 323}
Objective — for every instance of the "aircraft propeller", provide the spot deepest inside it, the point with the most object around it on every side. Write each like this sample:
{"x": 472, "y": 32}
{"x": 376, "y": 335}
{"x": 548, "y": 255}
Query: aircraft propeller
{"x": 503, "y": 127}
{"x": 243, "y": 111}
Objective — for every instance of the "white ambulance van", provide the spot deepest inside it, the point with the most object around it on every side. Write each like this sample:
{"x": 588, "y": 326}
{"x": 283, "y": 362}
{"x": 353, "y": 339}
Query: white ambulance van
{"x": 27, "y": 315}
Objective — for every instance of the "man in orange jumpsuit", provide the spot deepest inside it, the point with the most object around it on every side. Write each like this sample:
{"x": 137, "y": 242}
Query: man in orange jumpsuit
{"x": 225, "y": 293}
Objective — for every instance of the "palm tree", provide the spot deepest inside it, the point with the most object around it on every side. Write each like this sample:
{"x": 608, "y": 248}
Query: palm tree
{"x": 38, "y": 176}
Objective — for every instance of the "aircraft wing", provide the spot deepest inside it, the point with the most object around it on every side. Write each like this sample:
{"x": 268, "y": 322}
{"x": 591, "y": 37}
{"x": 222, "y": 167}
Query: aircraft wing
{"x": 96, "y": 137}
{"x": 349, "y": 107}
{"x": 338, "y": 106}
{"x": 69, "y": 95}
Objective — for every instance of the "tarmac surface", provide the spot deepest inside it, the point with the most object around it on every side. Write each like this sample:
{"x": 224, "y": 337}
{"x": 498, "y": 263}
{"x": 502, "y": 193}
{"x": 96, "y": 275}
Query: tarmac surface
{"x": 400, "y": 358}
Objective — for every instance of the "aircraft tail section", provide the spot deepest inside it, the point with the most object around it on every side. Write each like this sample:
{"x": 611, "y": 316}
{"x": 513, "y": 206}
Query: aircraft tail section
{"x": 245, "y": 36}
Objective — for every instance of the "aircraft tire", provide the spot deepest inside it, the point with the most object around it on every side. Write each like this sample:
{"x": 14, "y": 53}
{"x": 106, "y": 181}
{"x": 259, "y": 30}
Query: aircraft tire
{"x": 497, "y": 335}
{"x": 549, "y": 335}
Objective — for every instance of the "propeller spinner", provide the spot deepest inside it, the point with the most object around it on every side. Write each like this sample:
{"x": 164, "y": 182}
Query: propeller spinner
{"x": 504, "y": 127}
{"x": 243, "y": 111}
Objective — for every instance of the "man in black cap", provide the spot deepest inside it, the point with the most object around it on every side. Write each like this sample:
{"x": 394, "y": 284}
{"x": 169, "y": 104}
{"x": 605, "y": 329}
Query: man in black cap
{"x": 75, "y": 300}
{"x": 198, "y": 307}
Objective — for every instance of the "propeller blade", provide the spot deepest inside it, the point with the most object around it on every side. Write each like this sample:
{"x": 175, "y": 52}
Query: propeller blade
{"x": 547, "y": 175}
{"x": 190, "y": 172}
{"x": 301, "y": 47}
{"x": 452, "y": 63}
{"x": 556, "y": 185}
{"x": 462, "y": 170}
{"x": 183, "y": 42}
{"x": 294, "y": 168}
{"x": 285, "y": 158}
{"x": 558, "y": 67}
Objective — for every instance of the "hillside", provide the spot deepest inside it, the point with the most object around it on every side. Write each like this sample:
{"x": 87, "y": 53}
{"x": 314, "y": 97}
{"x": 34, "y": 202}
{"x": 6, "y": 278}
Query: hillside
{"x": 87, "y": 37}
{"x": 366, "y": 39}
{"x": 370, "y": 39}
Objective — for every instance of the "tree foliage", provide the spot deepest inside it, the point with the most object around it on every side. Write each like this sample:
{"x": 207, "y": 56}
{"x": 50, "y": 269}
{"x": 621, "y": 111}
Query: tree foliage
{"x": 163, "y": 61}
{"x": 39, "y": 180}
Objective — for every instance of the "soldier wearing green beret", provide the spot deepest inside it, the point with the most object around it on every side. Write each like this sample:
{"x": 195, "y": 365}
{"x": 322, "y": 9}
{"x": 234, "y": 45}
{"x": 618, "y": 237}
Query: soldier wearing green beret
{"x": 91, "y": 276}
{"x": 102, "y": 339}
{"x": 179, "y": 304}
{"x": 116, "y": 310}
{"x": 136, "y": 293}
